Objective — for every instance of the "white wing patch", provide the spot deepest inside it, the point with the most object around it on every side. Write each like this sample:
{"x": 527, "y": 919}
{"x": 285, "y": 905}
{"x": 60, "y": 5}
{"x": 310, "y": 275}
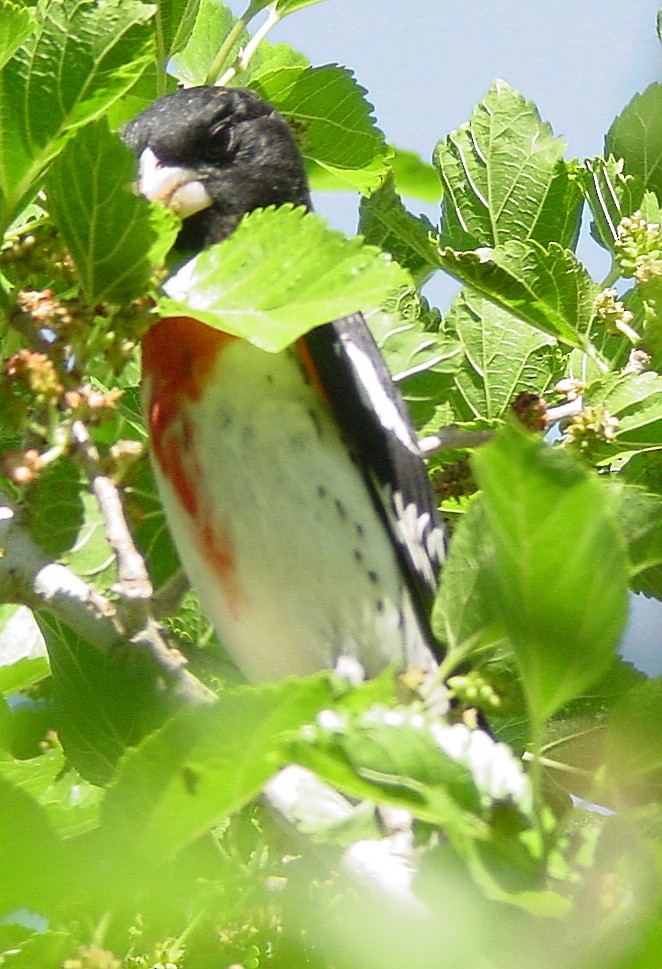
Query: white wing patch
{"x": 410, "y": 528}
{"x": 423, "y": 541}
{"x": 384, "y": 406}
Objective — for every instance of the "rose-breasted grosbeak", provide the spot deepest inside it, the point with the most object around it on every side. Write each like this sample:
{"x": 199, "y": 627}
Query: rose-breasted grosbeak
{"x": 292, "y": 482}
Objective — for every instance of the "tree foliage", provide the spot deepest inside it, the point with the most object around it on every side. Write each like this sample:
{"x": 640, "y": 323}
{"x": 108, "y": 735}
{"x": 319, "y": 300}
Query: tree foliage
{"x": 132, "y": 760}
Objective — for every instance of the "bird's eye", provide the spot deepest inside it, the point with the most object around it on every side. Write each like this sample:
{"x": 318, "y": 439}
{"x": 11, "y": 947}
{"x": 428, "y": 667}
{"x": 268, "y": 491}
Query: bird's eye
{"x": 218, "y": 143}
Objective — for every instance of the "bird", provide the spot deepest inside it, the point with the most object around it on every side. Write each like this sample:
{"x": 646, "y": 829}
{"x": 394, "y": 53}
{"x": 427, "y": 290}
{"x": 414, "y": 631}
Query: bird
{"x": 292, "y": 482}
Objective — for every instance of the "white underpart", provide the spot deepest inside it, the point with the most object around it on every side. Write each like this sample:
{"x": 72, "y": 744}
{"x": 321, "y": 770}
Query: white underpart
{"x": 178, "y": 188}
{"x": 316, "y": 569}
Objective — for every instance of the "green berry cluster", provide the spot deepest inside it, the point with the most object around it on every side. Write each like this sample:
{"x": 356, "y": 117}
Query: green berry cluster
{"x": 616, "y": 318}
{"x": 638, "y": 248}
{"x": 472, "y": 689}
{"x": 454, "y": 480}
{"x": 593, "y": 427}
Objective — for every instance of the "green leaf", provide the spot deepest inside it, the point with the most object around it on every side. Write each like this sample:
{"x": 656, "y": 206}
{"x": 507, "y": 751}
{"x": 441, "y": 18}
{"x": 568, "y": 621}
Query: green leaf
{"x": 79, "y": 61}
{"x": 104, "y": 702}
{"x": 414, "y": 177}
{"x": 644, "y": 952}
{"x": 611, "y": 195}
{"x": 115, "y": 238}
{"x": 57, "y": 513}
{"x": 604, "y": 351}
{"x": 31, "y": 856}
{"x": 634, "y": 754}
{"x": 205, "y": 764}
{"x": 71, "y": 804}
{"x": 406, "y": 331}
{"x": 269, "y": 57}
{"x": 574, "y": 741}
{"x": 23, "y": 659}
{"x": 46, "y": 950}
{"x": 385, "y": 222}
{"x": 146, "y": 517}
{"x": 636, "y": 137}
{"x": 504, "y": 178}
{"x": 281, "y": 273}
{"x": 641, "y": 517}
{"x": 175, "y": 20}
{"x": 332, "y": 120}
{"x": 463, "y": 615}
{"x": 636, "y": 400}
{"x": 645, "y": 471}
{"x": 16, "y": 25}
{"x": 213, "y": 23}
{"x": 560, "y": 579}
{"x": 150, "y": 85}
{"x": 286, "y": 7}
{"x": 502, "y": 356}
{"x": 547, "y": 288}
{"x": 90, "y": 556}
{"x": 440, "y": 772}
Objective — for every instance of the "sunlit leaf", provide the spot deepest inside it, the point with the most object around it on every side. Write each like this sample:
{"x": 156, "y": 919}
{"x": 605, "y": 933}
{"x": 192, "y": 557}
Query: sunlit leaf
{"x": 502, "y": 356}
{"x": 205, "y": 764}
{"x": 332, "y": 120}
{"x": 635, "y": 400}
{"x": 611, "y": 196}
{"x": 115, "y": 238}
{"x": 504, "y": 178}
{"x": 213, "y": 23}
{"x": 16, "y": 24}
{"x": 82, "y": 57}
{"x": 636, "y": 137}
{"x": 547, "y": 288}
{"x": 463, "y": 617}
{"x": 281, "y": 273}
{"x": 175, "y": 23}
{"x": 415, "y": 177}
{"x": 560, "y": 579}
{"x": 385, "y": 222}
{"x": 31, "y": 855}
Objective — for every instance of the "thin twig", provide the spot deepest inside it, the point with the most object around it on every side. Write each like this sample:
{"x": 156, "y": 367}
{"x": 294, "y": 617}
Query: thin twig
{"x": 570, "y": 408}
{"x": 168, "y": 599}
{"x": 172, "y": 666}
{"x": 451, "y": 437}
{"x": 134, "y": 582}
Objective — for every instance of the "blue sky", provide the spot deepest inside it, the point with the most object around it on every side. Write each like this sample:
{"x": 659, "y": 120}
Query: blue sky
{"x": 425, "y": 63}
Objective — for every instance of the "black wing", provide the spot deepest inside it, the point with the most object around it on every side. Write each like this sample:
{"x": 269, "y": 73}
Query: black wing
{"x": 373, "y": 418}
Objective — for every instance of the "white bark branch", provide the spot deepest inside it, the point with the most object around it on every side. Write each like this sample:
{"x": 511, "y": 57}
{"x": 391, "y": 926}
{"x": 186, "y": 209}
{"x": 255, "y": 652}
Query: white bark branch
{"x": 134, "y": 582}
{"x": 28, "y": 577}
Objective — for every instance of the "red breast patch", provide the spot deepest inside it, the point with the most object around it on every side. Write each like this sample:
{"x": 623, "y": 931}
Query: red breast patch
{"x": 178, "y": 355}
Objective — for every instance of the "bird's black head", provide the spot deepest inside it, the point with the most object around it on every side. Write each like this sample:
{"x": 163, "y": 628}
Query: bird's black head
{"x": 212, "y": 154}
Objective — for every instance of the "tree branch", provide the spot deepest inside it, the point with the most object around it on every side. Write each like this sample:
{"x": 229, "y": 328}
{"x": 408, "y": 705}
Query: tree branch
{"x": 134, "y": 582}
{"x": 452, "y": 437}
{"x": 28, "y": 577}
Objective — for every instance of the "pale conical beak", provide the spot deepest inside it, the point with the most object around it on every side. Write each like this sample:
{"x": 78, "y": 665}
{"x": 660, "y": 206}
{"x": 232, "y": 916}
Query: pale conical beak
{"x": 178, "y": 188}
